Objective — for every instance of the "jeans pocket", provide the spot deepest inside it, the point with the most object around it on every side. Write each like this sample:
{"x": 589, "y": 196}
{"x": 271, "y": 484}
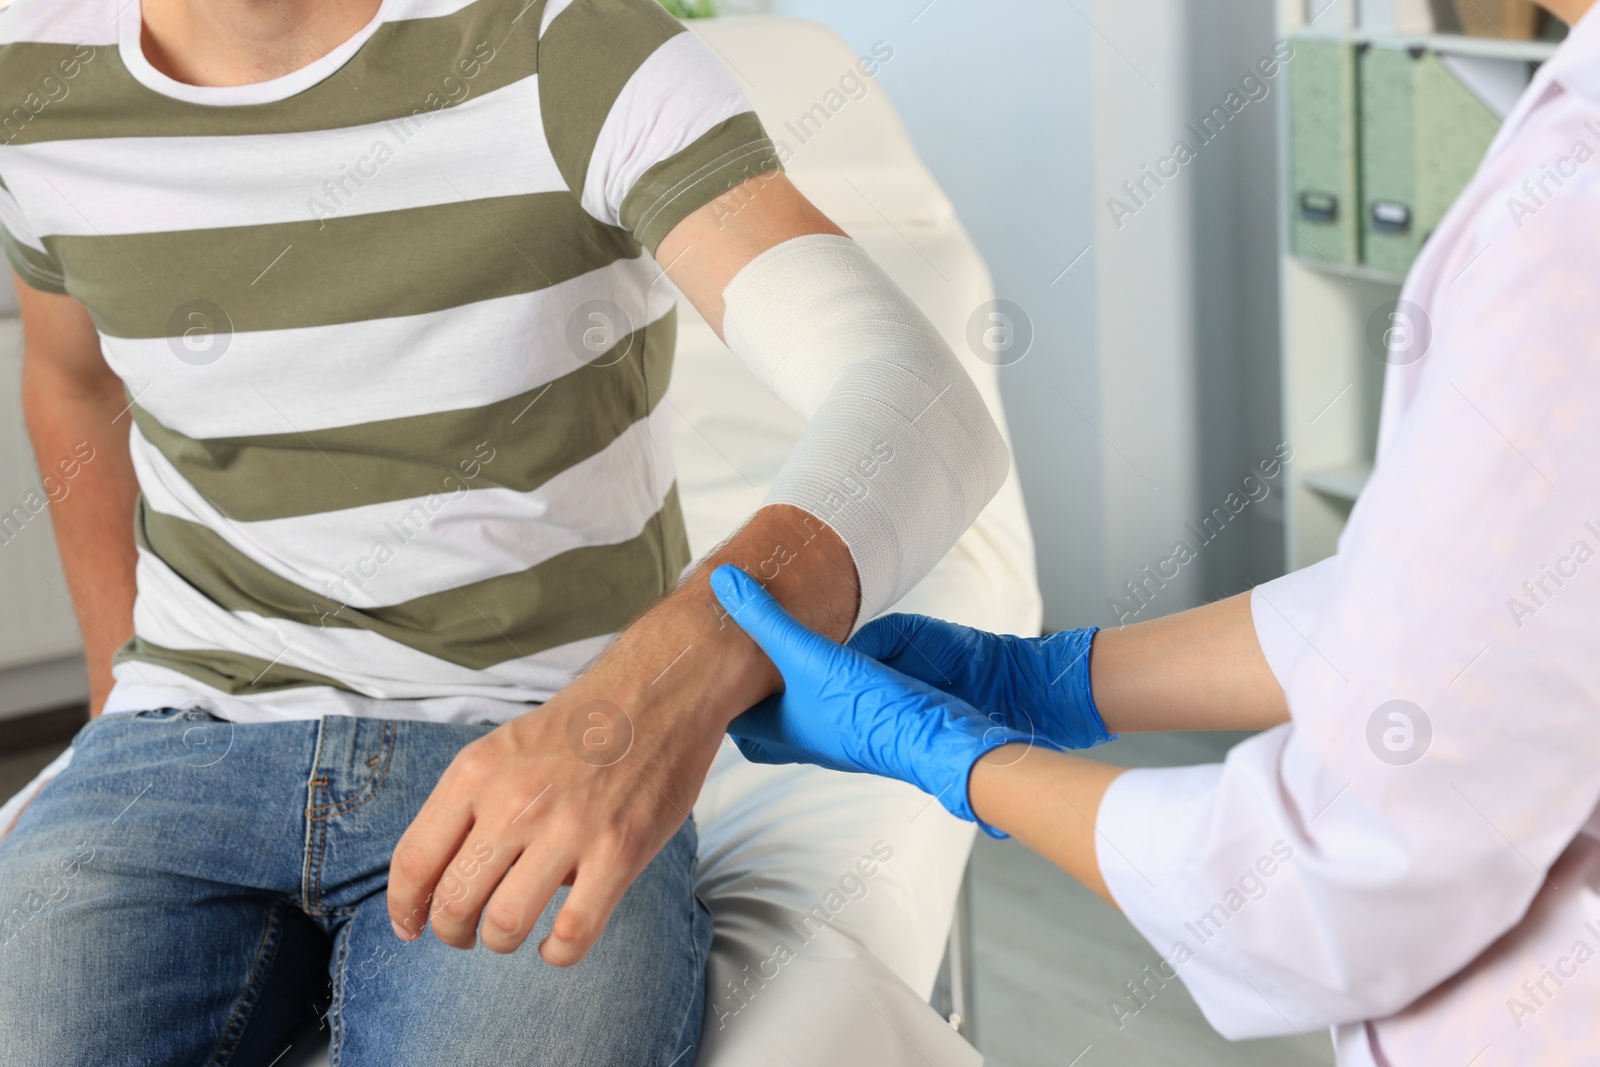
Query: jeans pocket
{"x": 173, "y": 714}
{"x": 163, "y": 714}
{"x": 97, "y": 725}
{"x": 149, "y": 715}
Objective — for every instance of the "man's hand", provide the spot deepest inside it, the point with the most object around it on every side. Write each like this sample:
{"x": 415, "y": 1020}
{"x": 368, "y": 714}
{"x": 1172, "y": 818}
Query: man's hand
{"x": 585, "y": 790}
{"x": 582, "y": 791}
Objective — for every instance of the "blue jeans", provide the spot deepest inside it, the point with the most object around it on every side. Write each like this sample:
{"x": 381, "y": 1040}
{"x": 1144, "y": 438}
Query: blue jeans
{"x": 192, "y": 891}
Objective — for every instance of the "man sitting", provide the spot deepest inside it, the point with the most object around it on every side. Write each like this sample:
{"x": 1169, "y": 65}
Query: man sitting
{"x": 355, "y": 308}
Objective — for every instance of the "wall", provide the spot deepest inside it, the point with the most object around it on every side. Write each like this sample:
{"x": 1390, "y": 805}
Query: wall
{"x": 1237, "y": 321}
{"x": 1146, "y": 345}
{"x": 1187, "y": 298}
{"x": 996, "y": 97}
{"x": 1152, "y": 388}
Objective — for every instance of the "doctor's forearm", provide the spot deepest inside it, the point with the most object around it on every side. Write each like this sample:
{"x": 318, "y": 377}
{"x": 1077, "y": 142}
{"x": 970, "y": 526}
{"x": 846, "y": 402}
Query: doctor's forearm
{"x": 1047, "y": 800}
{"x": 1201, "y": 669}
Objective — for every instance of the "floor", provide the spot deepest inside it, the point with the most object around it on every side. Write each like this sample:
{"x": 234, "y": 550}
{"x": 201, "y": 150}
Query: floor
{"x": 1050, "y": 955}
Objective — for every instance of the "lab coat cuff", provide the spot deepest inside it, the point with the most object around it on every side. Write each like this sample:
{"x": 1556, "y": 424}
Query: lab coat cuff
{"x": 1144, "y": 835}
{"x": 1150, "y": 838}
{"x": 1286, "y": 610}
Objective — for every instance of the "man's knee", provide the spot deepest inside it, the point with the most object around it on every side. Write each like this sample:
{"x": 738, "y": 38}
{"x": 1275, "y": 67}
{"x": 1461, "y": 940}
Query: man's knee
{"x": 637, "y": 997}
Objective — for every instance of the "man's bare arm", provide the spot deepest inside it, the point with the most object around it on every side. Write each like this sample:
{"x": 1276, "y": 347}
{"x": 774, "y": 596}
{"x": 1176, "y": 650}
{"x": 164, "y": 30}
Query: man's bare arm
{"x": 76, "y": 407}
{"x": 544, "y": 816}
{"x": 705, "y": 250}
{"x": 703, "y": 254}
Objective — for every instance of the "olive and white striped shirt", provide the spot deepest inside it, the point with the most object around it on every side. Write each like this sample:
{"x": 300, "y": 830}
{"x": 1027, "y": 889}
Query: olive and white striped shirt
{"x": 393, "y": 338}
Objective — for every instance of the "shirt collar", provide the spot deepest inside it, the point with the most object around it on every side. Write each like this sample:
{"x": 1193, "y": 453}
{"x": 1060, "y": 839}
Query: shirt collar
{"x": 1576, "y": 64}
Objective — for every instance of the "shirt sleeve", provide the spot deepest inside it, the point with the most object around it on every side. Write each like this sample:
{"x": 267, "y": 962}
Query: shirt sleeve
{"x": 33, "y": 263}
{"x": 1440, "y": 676}
{"x": 644, "y": 121}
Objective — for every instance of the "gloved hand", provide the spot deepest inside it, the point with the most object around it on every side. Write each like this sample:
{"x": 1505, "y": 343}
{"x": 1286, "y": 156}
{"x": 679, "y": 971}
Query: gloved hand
{"x": 845, "y": 711}
{"x": 1038, "y": 685}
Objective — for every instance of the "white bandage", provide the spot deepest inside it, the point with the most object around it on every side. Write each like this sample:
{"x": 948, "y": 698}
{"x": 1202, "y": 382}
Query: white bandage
{"x": 900, "y": 453}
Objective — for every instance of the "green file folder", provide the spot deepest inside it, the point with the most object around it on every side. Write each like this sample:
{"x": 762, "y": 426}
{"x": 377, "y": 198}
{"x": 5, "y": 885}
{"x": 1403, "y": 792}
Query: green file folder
{"x": 1454, "y": 129}
{"x": 1423, "y": 134}
{"x": 1390, "y": 235}
{"x": 1323, "y": 213}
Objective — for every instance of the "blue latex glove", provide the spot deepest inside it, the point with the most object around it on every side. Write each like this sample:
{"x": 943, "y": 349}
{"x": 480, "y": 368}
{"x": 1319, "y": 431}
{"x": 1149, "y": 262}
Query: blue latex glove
{"x": 1038, "y": 685}
{"x": 848, "y": 712}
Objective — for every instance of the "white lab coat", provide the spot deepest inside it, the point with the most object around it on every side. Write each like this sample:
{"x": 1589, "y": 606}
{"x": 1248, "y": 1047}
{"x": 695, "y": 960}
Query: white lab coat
{"x": 1442, "y": 909}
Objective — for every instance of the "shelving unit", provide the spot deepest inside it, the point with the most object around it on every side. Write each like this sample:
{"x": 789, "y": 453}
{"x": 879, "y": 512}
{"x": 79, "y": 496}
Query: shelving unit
{"x": 1332, "y": 384}
{"x": 1332, "y": 388}
{"x": 1454, "y": 44}
{"x": 1352, "y": 270}
{"x": 1339, "y": 483}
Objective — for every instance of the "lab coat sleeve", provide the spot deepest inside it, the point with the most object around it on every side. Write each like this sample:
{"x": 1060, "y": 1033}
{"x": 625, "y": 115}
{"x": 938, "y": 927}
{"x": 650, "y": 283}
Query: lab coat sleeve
{"x": 1285, "y": 610}
{"x": 1440, "y": 676}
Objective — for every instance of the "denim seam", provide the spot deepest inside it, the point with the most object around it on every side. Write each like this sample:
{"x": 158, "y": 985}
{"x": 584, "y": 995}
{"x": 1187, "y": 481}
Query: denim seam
{"x": 698, "y": 959}
{"x": 319, "y": 848}
{"x": 313, "y": 783}
{"x": 696, "y": 974}
{"x": 336, "y": 1008}
{"x": 245, "y": 1006}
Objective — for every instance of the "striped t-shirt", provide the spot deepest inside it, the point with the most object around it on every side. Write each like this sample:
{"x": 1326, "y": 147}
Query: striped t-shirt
{"x": 393, "y": 338}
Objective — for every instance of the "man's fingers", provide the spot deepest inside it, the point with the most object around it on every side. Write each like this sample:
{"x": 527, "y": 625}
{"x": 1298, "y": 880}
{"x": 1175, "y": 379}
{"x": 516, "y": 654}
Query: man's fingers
{"x": 466, "y": 886}
{"x": 420, "y": 857}
{"x": 764, "y": 619}
{"x": 520, "y": 899}
{"x": 595, "y": 893}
